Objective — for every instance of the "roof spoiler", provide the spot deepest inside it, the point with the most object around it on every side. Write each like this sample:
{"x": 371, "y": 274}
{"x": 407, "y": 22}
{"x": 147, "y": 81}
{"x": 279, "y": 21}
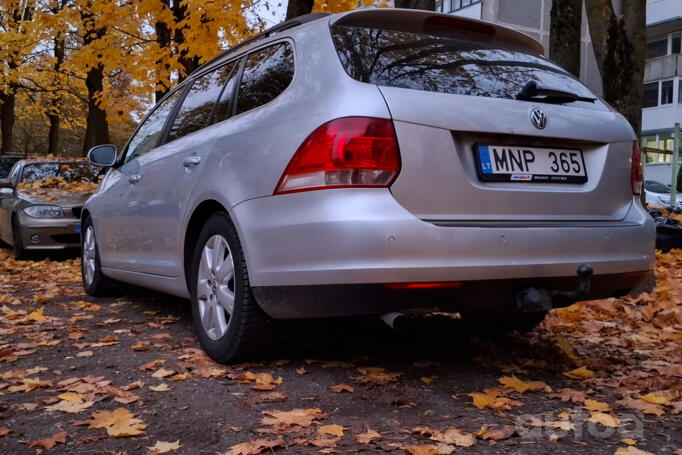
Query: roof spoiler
{"x": 420, "y": 20}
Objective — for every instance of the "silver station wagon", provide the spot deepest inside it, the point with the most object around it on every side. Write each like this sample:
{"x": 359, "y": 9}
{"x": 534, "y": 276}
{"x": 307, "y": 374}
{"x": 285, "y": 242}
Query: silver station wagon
{"x": 372, "y": 162}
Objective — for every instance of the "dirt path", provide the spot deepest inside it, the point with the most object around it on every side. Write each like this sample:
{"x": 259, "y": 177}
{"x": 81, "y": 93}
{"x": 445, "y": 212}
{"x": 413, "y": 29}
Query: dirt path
{"x": 360, "y": 387}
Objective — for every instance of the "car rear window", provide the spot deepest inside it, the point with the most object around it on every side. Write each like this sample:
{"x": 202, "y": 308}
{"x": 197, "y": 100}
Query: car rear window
{"x": 457, "y": 65}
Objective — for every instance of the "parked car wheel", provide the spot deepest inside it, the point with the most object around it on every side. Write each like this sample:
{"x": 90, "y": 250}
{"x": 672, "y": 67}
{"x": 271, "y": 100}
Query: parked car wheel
{"x": 17, "y": 243}
{"x": 230, "y": 324}
{"x": 94, "y": 282}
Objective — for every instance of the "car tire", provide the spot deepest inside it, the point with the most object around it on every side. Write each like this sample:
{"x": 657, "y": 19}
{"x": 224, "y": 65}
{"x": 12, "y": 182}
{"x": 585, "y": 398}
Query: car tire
{"x": 229, "y": 323}
{"x": 17, "y": 244}
{"x": 94, "y": 282}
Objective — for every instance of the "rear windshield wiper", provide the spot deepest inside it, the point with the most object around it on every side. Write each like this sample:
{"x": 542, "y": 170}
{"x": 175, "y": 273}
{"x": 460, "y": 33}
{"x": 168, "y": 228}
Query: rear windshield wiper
{"x": 532, "y": 92}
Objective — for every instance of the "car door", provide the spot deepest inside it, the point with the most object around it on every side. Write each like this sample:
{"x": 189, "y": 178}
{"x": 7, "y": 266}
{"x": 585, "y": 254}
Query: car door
{"x": 123, "y": 200}
{"x": 7, "y": 201}
{"x": 169, "y": 173}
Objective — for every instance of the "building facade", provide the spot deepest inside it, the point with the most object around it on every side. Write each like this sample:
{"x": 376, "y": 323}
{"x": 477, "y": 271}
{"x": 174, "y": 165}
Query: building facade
{"x": 662, "y": 85}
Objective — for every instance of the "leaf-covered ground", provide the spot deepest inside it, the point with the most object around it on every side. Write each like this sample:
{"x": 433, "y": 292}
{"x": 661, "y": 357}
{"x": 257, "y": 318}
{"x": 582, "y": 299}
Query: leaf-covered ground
{"x": 125, "y": 375}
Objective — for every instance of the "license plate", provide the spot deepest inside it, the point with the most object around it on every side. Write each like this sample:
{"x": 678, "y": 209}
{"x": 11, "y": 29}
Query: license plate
{"x": 504, "y": 163}
{"x": 78, "y": 228}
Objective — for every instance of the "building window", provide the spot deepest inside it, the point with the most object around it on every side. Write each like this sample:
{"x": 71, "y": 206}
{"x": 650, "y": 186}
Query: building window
{"x": 667, "y": 92}
{"x": 657, "y": 47}
{"x": 651, "y": 94}
{"x": 449, "y": 6}
{"x": 650, "y": 142}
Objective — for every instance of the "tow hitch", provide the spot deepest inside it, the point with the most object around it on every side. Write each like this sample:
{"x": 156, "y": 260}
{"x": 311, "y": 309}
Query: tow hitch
{"x": 533, "y": 300}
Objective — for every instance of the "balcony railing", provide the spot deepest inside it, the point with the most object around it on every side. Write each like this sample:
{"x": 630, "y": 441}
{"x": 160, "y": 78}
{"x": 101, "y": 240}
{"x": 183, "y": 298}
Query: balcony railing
{"x": 665, "y": 67}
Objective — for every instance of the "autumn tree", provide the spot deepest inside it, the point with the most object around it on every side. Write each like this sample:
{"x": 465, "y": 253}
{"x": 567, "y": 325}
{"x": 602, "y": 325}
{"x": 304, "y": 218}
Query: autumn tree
{"x": 15, "y": 24}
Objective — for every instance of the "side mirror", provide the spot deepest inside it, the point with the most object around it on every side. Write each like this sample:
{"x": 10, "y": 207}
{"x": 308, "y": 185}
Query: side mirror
{"x": 5, "y": 183}
{"x": 103, "y": 155}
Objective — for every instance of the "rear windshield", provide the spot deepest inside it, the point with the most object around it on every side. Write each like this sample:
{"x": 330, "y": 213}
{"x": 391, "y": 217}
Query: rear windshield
{"x": 454, "y": 65}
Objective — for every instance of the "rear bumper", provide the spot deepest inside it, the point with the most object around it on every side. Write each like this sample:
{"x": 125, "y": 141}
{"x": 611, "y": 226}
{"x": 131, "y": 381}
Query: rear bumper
{"x": 364, "y": 236}
{"x": 49, "y": 234}
{"x": 471, "y": 298}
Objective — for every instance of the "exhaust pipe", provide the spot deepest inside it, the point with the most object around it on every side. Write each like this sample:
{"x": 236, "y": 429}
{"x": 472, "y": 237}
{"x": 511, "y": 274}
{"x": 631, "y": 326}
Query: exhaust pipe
{"x": 394, "y": 320}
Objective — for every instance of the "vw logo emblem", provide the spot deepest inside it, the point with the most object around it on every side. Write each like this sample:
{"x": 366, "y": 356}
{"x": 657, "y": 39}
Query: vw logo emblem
{"x": 538, "y": 119}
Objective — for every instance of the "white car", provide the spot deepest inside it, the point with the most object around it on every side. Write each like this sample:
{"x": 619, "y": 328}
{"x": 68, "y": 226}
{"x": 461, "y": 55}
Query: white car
{"x": 658, "y": 195}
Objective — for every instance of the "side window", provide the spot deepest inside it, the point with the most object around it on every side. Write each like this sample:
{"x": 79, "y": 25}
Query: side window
{"x": 267, "y": 73}
{"x": 147, "y": 137}
{"x": 197, "y": 107}
{"x": 222, "y": 109}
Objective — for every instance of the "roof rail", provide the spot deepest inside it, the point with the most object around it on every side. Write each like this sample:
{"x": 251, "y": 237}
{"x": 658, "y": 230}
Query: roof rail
{"x": 291, "y": 23}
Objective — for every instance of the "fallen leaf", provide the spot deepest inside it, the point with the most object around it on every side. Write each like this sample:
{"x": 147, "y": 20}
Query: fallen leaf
{"x": 573, "y": 395}
{"x": 297, "y": 417}
{"x": 118, "y": 423}
{"x": 594, "y": 405}
{"x": 255, "y": 447}
{"x": 48, "y": 443}
{"x": 580, "y": 373}
{"x": 162, "y": 373}
{"x": 163, "y": 447}
{"x": 654, "y": 399}
{"x": 496, "y": 433}
{"x": 367, "y": 437}
{"x": 341, "y": 388}
{"x": 375, "y": 376}
{"x": 331, "y": 430}
{"x": 605, "y": 419}
{"x": 179, "y": 377}
{"x": 70, "y": 407}
{"x": 630, "y": 450}
{"x": 163, "y": 387}
{"x": 521, "y": 386}
{"x": 422, "y": 450}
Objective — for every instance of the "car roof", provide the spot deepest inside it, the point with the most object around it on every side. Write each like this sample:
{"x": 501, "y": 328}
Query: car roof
{"x": 393, "y": 18}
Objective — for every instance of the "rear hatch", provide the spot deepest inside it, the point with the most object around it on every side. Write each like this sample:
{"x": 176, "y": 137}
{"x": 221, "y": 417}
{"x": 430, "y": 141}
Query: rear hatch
{"x": 488, "y": 129}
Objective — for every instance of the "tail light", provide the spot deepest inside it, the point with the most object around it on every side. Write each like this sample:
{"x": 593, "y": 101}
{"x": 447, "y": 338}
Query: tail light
{"x": 636, "y": 172}
{"x": 343, "y": 153}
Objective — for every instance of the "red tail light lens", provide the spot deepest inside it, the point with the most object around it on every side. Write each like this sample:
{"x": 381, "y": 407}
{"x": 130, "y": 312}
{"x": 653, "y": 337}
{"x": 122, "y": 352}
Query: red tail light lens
{"x": 342, "y": 153}
{"x": 636, "y": 172}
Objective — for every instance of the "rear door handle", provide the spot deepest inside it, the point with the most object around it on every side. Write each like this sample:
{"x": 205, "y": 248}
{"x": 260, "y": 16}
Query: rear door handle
{"x": 191, "y": 161}
{"x": 134, "y": 178}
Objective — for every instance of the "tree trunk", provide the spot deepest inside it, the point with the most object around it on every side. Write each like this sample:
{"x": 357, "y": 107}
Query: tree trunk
{"x": 188, "y": 63}
{"x": 54, "y": 117}
{"x": 429, "y": 5}
{"x": 7, "y": 121}
{"x": 620, "y": 48}
{"x": 299, "y": 8}
{"x": 565, "y": 34}
{"x": 97, "y": 127}
{"x": 163, "y": 37}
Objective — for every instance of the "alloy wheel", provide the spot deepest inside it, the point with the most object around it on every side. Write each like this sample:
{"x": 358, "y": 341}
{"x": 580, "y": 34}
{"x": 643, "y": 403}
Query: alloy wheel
{"x": 89, "y": 254}
{"x": 215, "y": 287}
